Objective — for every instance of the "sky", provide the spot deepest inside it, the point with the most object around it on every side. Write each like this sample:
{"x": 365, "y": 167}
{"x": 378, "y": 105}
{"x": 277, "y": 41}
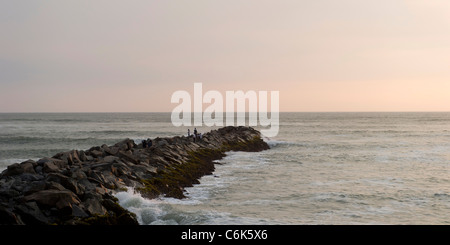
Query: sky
{"x": 131, "y": 56}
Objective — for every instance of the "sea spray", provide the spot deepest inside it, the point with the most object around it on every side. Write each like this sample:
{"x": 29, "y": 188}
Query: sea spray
{"x": 147, "y": 210}
{"x": 163, "y": 210}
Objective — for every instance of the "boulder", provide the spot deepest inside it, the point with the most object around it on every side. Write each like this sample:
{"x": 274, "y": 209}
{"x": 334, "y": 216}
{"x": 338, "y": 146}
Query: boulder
{"x": 78, "y": 212}
{"x": 31, "y": 214}
{"x": 128, "y": 157}
{"x": 56, "y": 161}
{"x": 75, "y": 156}
{"x": 35, "y": 186}
{"x": 125, "y": 145}
{"x": 110, "y": 159}
{"x": 65, "y": 181}
{"x": 60, "y": 199}
{"x": 14, "y": 169}
{"x": 82, "y": 156}
{"x": 78, "y": 174}
{"x": 96, "y": 153}
{"x": 51, "y": 185}
{"x": 28, "y": 167}
{"x": 94, "y": 207}
{"x": 8, "y": 217}
{"x": 50, "y": 167}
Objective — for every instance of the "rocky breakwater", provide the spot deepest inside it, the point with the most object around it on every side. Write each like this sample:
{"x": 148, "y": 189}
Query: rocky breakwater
{"x": 77, "y": 187}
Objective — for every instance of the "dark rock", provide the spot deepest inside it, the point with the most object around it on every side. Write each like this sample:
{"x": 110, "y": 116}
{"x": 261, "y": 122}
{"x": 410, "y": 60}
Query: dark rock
{"x": 28, "y": 177}
{"x": 103, "y": 166}
{"x": 35, "y": 186}
{"x": 113, "y": 150}
{"x": 14, "y": 169}
{"x": 75, "y": 156}
{"x": 54, "y": 198}
{"x": 70, "y": 157}
{"x": 78, "y": 174}
{"x": 85, "y": 185}
{"x": 82, "y": 156}
{"x": 106, "y": 150}
{"x": 125, "y": 145}
{"x": 110, "y": 159}
{"x": 120, "y": 168}
{"x": 31, "y": 214}
{"x": 9, "y": 193}
{"x": 143, "y": 172}
{"x": 28, "y": 166}
{"x": 94, "y": 207}
{"x": 50, "y": 167}
{"x": 127, "y": 218}
{"x": 128, "y": 157}
{"x": 7, "y": 217}
{"x": 51, "y": 185}
{"x": 97, "y": 177}
{"x": 38, "y": 169}
{"x": 65, "y": 181}
{"x": 78, "y": 212}
{"x": 96, "y": 153}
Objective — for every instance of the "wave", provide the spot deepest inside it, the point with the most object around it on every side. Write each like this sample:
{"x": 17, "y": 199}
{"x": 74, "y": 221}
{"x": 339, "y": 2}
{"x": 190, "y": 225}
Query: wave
{"x": 47, "y": 140}
{"x": 442, "y": 195}
{"x": 170, "y": 211}
{"x": 110, "y": 132}
{"x": 159, "y": 211}
{"x": 280, "y": 143}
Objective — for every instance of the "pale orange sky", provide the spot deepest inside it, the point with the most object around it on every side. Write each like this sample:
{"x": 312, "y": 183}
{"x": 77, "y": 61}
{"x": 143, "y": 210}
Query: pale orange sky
{"x": 324, "y": 55}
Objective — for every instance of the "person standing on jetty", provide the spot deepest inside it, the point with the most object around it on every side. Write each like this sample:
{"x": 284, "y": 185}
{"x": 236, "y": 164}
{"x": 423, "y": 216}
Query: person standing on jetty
{"x": 195, "y": 134}
{"x": 149, "y": 142}
{"x": 144, "y": 144}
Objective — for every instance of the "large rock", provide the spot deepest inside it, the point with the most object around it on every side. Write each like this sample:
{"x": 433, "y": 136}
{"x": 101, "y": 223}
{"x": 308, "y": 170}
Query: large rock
{"x": 94, "y": 206}
{"x": 65, "y": 181}
{"x": 60, "y": 199}
{"x": 50, "y": 167}
{"x": 125, "y": 145}
{"x": 14, "y": 169}
{"x": 31, "y": 214}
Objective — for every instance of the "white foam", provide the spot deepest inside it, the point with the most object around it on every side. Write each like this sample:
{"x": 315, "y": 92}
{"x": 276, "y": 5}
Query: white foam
{"x": 147, "y": 211}
{"x": 273, "y": 143}
{"x": 281, "y": 143}
{"x": 161, "y": 211}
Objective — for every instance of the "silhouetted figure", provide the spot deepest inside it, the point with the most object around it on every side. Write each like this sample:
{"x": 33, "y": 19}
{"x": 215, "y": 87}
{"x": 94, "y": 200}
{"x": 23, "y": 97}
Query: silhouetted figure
{"x": 149, "y": 143}
{"x": 144, "y": 144}
{"x": 195, "y": 134}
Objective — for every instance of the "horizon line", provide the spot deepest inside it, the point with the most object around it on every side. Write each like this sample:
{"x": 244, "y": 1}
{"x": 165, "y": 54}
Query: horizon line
{"x": 55, "y": 112}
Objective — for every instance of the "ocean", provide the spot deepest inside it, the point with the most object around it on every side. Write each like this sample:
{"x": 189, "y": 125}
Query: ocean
{"x": 322, "y": 168}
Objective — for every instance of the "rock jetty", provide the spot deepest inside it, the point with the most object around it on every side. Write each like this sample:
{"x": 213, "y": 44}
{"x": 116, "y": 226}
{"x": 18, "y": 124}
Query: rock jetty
{"x": 77, "y": 187}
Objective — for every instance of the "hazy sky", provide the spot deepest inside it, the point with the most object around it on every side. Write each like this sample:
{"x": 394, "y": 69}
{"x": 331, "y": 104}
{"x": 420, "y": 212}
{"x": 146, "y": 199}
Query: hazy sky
{"x": 322, "y": 55}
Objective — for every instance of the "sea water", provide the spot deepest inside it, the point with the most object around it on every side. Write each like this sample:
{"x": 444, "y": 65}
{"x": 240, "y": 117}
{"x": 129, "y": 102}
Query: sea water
{"x": 322, "y": 168}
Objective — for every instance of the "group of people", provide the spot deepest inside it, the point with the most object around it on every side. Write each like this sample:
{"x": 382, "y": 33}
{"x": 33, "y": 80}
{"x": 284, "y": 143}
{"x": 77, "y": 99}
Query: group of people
{"x": 196, "y": 135}
{"x": 147, "y": 143}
